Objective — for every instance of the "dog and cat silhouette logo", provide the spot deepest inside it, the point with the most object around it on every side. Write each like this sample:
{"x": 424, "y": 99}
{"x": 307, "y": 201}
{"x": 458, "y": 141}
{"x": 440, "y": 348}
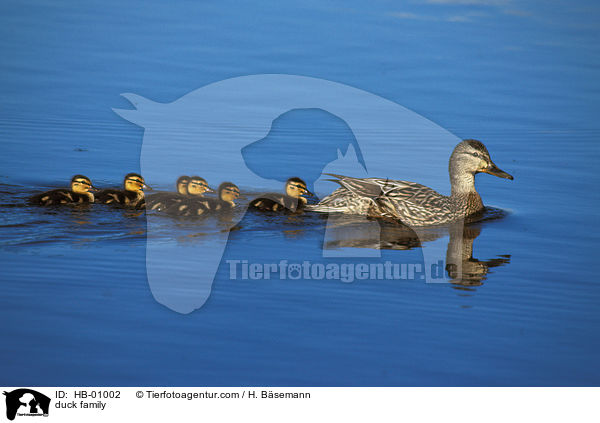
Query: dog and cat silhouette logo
{"x": 26, "y": 402}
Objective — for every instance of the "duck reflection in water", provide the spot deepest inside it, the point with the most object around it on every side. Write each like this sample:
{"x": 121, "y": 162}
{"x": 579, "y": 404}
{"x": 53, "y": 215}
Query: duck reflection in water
{"x": 462, "y": 268}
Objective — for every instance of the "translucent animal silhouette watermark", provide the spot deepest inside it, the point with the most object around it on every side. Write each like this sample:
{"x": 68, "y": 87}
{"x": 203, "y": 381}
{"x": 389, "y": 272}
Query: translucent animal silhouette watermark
{"x": 208, "y": 128}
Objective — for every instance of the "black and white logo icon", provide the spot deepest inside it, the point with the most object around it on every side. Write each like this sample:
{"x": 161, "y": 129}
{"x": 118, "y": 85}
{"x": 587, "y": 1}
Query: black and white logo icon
{"x": 26, "y": 402}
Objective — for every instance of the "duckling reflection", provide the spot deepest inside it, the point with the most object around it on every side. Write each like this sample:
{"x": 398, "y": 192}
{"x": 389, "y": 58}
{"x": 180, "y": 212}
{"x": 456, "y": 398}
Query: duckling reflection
{"x": 79, "y": 191}
{"x": 131, "y": 196}
{"x": 462, "y": 268}
{"x": 290, "y": 202}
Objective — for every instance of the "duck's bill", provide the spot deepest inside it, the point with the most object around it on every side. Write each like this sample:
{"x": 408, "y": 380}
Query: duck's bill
{"x": 494, "y": 170}
{"x": 93, "y": 188}
{"x": 307, "y": 193}
{"x": 148, "y": 187}
{"x": 209, "y": 189}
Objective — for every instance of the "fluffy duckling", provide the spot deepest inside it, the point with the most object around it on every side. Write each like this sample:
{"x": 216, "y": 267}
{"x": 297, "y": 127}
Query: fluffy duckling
{"x": 80, "y": 191}
{"x": 131, "y": 196}
{"x": 163, "y": 200}
{"x": 198, "y": 186}
{"x": 187, "y": 187}
{"x": 290, "y": 202}
{"x": 227, "y": 193}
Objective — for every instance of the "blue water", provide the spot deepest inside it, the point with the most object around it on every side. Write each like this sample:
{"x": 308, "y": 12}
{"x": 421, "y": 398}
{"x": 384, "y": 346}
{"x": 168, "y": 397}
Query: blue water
{"x": 76, "y": 305}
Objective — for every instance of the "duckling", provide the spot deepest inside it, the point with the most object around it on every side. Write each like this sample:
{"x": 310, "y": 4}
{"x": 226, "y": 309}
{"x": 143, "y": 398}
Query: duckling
{"x": 414, "y": 204}
{"x": 198, "y": 186}
{"x": 290, "y": 202}
{"x": 162, "y": 200}
{"x": 80, "y": 191}
{"x": 227, "y": 193}
{"x": 187, "y": 187}
{"x": 132, "y": 195}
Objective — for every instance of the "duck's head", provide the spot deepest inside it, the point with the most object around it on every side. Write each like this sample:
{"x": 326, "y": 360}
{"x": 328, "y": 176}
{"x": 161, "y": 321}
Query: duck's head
{"x": 228, "y": 192}
{"x": 198, "y": 186}
{"x": 82, "y": 184}
{"x": 470, "y": 157}
{"x": 296, "y": 188}
{"x": 182, "y": 183}
{"x": 134, "y": 182}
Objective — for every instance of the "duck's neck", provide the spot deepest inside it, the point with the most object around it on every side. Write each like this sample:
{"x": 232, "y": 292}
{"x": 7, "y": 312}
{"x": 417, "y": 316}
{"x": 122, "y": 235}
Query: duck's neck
{"x": 464, "y": 193}
{"x": 462, "y": 183}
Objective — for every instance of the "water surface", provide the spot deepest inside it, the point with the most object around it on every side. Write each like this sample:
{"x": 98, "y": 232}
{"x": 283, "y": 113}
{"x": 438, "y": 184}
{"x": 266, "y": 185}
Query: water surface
{"x": 77, "y": 306}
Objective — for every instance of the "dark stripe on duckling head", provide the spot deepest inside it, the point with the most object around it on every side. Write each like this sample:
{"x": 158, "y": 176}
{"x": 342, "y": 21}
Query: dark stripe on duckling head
{"x": 228, "y": 187}
{"x": 74, "y": 178}
{"x": 296, "y": 187}
{"x": 198, "y": 180}
{"x": 134, "y": 177}
{"x": 297, "y": 181}
{"x": 198, "y": 186}
{"x": 183, "y": 179}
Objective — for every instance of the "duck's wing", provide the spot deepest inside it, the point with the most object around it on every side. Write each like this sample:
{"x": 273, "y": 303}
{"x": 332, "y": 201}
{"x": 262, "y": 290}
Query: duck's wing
{"x": 191, "y": 206}
{"x": 410, "y": 202}
{"x": 343, "y": 200}
{"x": 109, "y": 196}
{"x": 266, "y": 202}
{"x": 276, "y": 202}
{"x": 163, "y": 200}
{"x": 49, "y": 198}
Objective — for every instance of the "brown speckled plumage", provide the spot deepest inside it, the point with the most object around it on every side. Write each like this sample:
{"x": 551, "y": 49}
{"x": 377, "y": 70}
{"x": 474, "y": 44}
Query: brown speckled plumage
{"x": 412, "y": 203}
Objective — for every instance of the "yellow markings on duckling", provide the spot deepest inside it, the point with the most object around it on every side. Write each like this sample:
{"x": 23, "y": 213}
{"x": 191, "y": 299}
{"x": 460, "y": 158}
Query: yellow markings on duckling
{"x": 78, "y": 192}
{"x": 198, "y": 186}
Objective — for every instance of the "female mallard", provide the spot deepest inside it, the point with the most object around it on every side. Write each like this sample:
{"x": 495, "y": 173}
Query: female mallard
{"x": 227, "y": 193}
{"x": 414, "y": 204}
{"x": 292, "y": 201}
{"x": 78, "y": 192}
{"x": 131, "y": 196}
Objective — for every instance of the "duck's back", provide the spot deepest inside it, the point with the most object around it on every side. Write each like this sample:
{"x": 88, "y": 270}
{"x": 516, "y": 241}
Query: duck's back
{"x": 276, "y": 202}
{"x": 59, "y": 196}
{"x": 409, "y": 202}
{"x": 121, "y": 197}
{"x": 162, "y": 201}
{"x": 200, "y": 207}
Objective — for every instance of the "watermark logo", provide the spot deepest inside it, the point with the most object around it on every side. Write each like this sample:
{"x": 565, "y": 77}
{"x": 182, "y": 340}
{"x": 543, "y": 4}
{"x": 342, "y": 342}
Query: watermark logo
{"x": 26, "y": 402}
{"x": 208, "y": 128}
{"x": 344, "y": 272}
